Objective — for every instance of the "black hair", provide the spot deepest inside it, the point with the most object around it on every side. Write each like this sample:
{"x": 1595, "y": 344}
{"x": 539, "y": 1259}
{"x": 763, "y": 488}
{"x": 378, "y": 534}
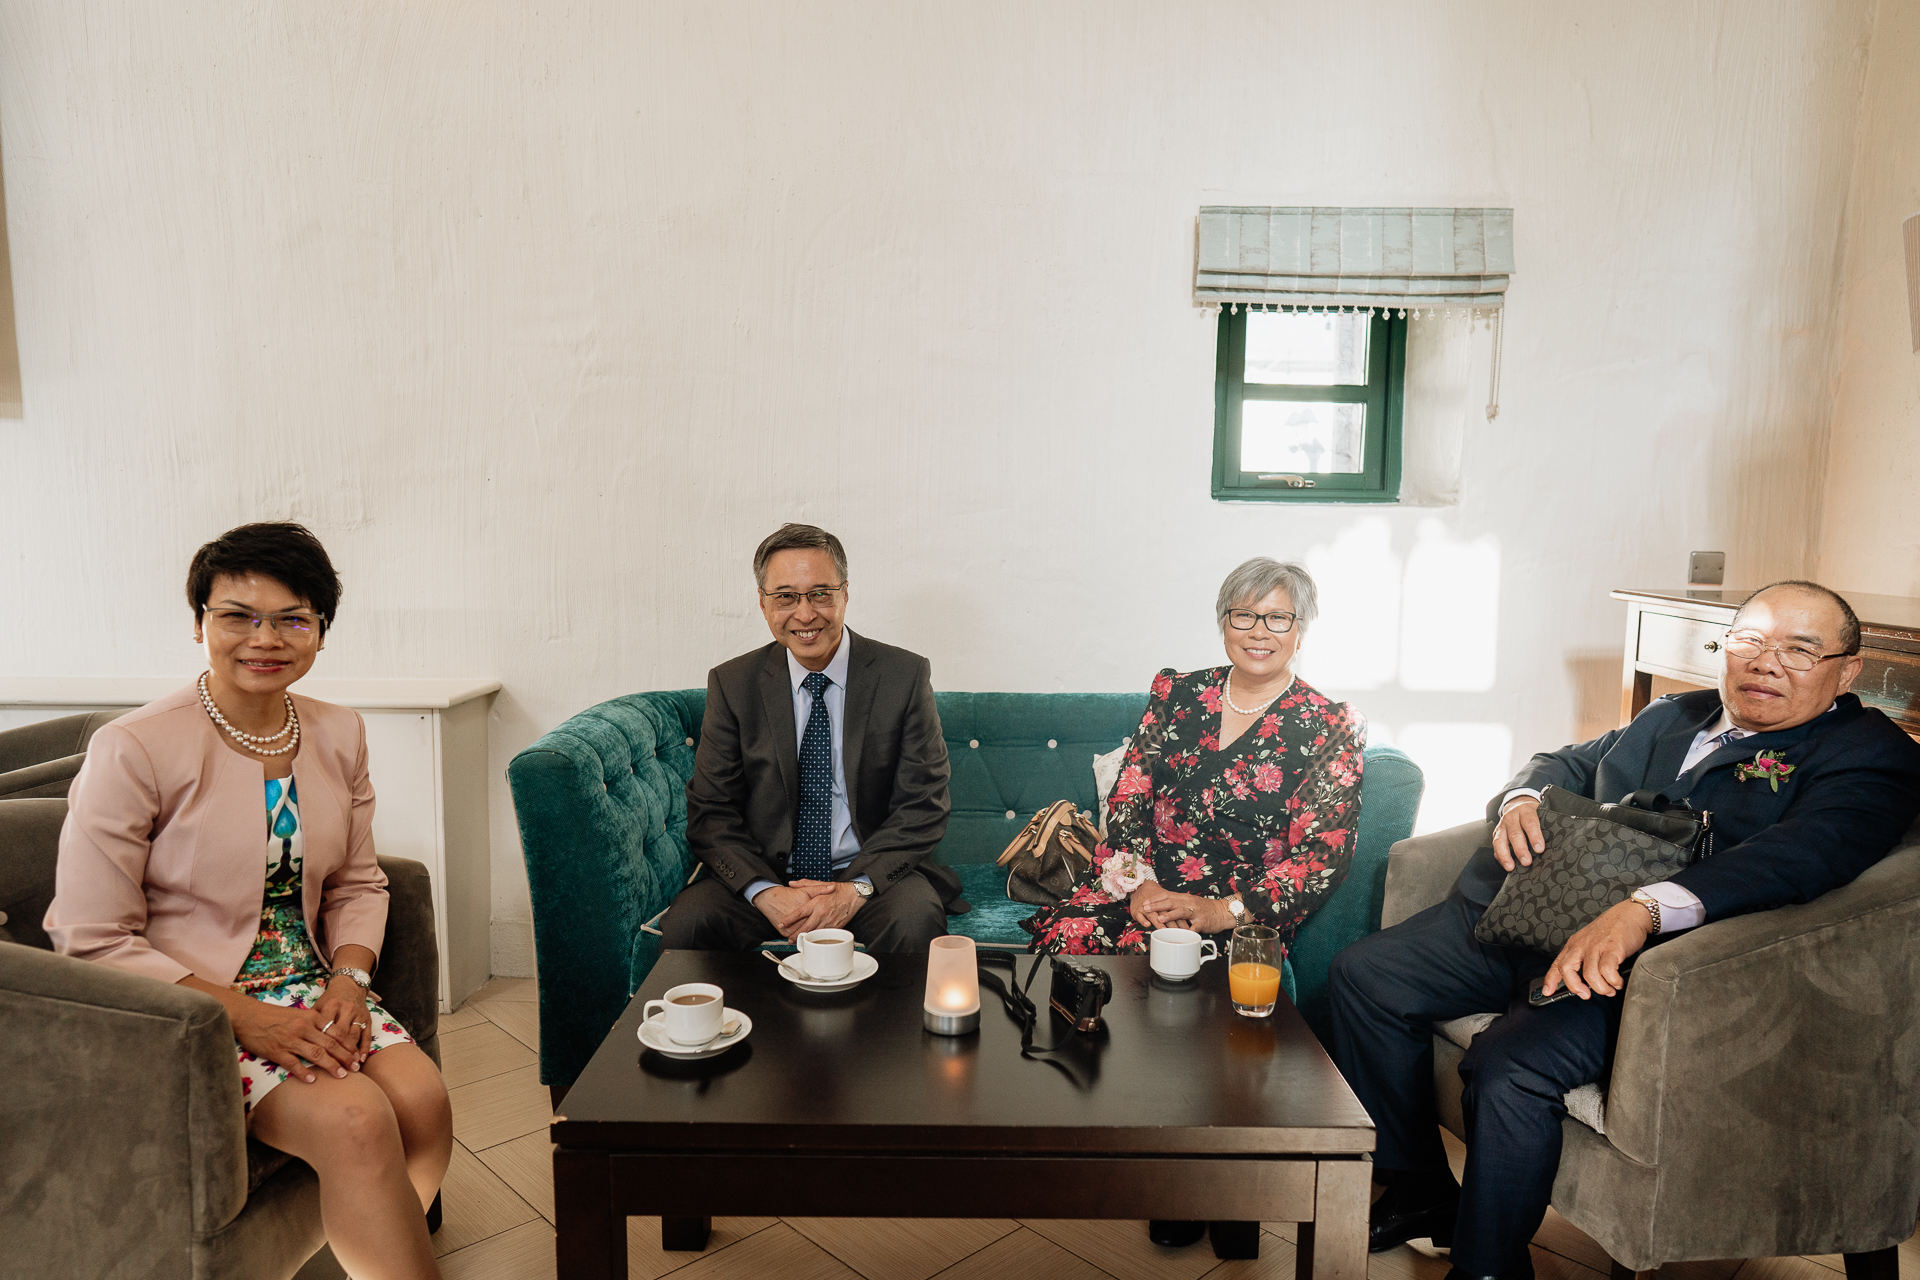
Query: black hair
{"x": 797, "y": 537}
{"x": 1849, "y": 620}
{"x": 283, "y": 551}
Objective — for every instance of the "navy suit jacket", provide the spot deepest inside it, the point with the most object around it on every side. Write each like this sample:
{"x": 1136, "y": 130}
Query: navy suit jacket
{"x": 1853, "y": 792}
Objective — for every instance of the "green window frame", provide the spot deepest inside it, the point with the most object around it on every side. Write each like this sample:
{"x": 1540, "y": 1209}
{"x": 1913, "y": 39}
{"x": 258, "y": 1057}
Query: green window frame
{"x": 1378, "y": 480}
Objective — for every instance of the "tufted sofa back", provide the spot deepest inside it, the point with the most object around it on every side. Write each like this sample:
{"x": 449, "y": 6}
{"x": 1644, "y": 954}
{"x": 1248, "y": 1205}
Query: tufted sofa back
{"x": 1014, "y": 753}
{"x": 602, "y": 809}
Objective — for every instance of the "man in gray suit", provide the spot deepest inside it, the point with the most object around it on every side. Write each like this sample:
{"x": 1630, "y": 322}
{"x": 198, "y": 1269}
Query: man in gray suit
{"x": 819, "y": 790}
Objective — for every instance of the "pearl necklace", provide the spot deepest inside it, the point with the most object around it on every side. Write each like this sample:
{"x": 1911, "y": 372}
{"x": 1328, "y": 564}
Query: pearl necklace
{"x": 254, "y": 742}
{"x": 1252, "y": 711}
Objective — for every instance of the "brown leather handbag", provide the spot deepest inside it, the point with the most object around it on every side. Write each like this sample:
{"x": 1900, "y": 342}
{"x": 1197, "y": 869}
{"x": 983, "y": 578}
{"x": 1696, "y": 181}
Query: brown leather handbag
{"x": 1051, "y": 857}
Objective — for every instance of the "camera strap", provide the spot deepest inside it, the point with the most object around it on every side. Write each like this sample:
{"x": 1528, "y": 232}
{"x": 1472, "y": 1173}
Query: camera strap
{"x": 1019, "y": 1005}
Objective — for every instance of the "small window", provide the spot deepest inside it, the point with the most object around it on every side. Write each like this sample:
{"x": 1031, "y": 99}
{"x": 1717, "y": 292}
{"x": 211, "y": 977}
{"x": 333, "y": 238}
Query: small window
{"x": 1307, "y": 406}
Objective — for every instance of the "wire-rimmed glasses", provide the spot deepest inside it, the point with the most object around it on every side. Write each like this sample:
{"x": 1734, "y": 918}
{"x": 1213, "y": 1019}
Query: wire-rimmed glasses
{"x": 1278, "y": 623}
{"x": 819, "y": 598}
{"x": 296, "y": 626}
{"x": 1792, "y": 657}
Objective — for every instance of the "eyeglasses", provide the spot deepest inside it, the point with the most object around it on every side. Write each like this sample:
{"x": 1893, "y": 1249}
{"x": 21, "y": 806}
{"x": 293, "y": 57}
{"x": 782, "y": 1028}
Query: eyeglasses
{"x": 1792, "y": 657}
{"x": 819, "y": 598}
{"x": 293, "y": 627}
{"x": 1243, "y": 620}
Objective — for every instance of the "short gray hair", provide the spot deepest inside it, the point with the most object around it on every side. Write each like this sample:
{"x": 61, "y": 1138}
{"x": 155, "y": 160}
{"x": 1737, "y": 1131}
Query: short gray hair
{"x": 1260, "y": 575}
{"x": 797, "y": 537}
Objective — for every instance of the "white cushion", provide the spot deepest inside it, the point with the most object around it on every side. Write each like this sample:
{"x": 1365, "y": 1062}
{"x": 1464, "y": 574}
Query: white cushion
{"x": 1106, "y": 772}
{"x": 1587, "y": 1104}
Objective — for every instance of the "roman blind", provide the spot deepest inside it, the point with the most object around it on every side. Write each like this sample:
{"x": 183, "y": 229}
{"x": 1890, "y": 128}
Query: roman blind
{"x": 1332, "y": 257}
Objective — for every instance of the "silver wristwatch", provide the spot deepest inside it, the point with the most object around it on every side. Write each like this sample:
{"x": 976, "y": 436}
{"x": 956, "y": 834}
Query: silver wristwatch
{"x": 1238, "y": 910}
{"x": 862, "y": 887}
{"x": 361, "y": 977}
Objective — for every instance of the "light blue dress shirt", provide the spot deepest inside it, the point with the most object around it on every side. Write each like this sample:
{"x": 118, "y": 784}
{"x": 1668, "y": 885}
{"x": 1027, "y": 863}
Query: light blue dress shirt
{"x": 845, "y": 843}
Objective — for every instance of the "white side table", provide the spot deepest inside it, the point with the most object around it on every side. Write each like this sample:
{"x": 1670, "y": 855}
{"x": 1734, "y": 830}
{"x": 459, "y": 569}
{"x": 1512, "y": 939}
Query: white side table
{"x": 427, "y": 754}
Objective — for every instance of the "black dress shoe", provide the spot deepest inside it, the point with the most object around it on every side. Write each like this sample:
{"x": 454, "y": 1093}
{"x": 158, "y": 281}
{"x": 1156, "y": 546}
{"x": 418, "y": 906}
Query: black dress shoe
{"x": 1403, "y": 1214}
{"x": 1171, "y": 1233}
{"x": 1235, "y": 1239}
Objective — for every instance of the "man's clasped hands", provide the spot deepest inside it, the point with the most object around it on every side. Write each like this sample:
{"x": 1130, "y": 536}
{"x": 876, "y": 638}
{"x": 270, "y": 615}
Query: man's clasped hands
{"x": 800, "y": 906}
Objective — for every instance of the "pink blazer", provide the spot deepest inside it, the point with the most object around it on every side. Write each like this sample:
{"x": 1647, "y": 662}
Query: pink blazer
{"x": 163, "y": 858}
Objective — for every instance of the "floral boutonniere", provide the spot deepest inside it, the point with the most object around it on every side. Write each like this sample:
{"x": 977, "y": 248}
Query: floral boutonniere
{"x": 1768, "y": 765}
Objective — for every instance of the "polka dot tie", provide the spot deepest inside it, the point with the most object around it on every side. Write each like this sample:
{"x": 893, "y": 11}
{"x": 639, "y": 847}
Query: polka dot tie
{"x": 813, "y": 833}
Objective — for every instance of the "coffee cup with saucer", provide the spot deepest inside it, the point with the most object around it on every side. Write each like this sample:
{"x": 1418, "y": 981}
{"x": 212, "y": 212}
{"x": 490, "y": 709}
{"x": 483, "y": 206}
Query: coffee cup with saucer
{"x": 795, "y": 969}
{"x": 692, "y": 1021}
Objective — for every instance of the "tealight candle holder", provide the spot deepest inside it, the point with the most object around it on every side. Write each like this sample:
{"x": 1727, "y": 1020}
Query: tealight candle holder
{"x": 953, "y": 987}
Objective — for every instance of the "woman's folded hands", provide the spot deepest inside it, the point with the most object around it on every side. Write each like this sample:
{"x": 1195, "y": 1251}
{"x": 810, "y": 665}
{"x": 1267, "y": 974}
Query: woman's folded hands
{"x": 295, "y": 1038}
{"x": 1155, "y": 907}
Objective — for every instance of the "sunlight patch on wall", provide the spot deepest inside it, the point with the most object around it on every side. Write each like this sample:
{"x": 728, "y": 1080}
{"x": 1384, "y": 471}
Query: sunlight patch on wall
{"x": 1450, "y": 623}
{"x": 1355, "y": 644}
{"x": 1464, "y": 765}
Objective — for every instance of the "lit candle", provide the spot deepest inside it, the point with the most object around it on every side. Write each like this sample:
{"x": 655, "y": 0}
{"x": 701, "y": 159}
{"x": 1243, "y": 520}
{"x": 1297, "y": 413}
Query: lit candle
{"x": 953, "y": 986}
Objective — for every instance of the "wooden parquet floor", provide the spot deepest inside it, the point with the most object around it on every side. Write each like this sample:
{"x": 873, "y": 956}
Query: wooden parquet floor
{"x": 499, "y": 1209}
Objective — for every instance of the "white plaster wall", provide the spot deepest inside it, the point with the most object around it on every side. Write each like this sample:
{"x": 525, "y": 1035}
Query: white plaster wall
{"x": 542, "y": 316}
{"x": 1868, "y": 538}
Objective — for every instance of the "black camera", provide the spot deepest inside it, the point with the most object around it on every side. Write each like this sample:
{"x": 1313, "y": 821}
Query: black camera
{"x": 1080, "y": 992}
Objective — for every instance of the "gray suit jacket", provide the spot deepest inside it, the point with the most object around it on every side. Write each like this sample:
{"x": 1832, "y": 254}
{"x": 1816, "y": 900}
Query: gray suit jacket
{"x": 744, "y": 795}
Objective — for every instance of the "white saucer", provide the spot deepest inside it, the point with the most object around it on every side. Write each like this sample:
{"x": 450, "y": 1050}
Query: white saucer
{"x": 654, "y": 1036}
{"x": 864, "y": 967}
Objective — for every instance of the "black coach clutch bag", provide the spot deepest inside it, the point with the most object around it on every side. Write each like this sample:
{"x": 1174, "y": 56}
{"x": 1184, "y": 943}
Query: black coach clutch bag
{"x": 1596, "y": 856}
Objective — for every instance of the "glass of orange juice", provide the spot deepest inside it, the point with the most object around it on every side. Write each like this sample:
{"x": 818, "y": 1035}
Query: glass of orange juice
{"x": 1253, "y": 970}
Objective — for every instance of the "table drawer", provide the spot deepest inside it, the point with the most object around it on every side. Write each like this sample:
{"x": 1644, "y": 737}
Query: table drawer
{"x": 1680, "y": 645}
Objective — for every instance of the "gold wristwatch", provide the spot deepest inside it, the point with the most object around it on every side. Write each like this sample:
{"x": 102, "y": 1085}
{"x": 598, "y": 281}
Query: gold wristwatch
{"x": 1651, "y": 903}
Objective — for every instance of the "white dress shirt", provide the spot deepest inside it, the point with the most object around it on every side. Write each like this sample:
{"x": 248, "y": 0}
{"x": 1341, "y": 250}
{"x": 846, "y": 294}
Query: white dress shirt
{"x": 1679, "y": 908}
{"x": 845, "y": 843}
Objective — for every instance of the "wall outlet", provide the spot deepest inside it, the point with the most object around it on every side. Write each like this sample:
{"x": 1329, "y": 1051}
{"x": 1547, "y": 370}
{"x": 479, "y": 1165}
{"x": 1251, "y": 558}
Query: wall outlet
{"x": 1706, "y": 568}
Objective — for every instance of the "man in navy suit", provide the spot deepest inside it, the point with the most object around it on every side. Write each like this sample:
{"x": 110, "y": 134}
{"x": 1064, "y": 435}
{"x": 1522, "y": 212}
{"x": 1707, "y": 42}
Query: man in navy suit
{"x": 1849, "y": 788}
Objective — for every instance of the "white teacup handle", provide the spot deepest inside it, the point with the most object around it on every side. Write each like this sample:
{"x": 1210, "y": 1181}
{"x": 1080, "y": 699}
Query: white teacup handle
{"x": 646, "y": 1010}
{"x": 1209, "y": 950}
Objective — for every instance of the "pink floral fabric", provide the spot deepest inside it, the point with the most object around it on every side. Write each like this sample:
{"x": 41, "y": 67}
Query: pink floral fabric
{"x": 1272, "y": 817}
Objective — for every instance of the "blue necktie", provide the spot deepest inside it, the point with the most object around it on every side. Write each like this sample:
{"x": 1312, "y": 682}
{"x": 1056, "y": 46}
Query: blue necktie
{"x": 813, "y": 834}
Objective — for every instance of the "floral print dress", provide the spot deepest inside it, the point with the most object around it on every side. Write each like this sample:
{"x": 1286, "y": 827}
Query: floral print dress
{"x": 1271, "y": 817}
{"x": 284, "y": 968}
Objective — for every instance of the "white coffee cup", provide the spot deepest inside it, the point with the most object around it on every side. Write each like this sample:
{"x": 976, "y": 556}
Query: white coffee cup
{"x": 1179, "y": 953}
{"x": 691, "y": 1013}
{"x": 826, "y": 954}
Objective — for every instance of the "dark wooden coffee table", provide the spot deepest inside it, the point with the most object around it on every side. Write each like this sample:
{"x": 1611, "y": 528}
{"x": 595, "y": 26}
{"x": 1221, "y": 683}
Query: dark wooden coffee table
{"x": 843, "y": 1106}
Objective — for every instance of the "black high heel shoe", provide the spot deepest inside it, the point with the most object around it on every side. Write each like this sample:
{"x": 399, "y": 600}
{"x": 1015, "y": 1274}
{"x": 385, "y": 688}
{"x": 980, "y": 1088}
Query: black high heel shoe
{"x": 1172, "y": 1233}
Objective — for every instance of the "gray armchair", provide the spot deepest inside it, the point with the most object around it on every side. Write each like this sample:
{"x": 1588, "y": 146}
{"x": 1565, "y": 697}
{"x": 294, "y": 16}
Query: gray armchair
{"x": 123, "y": 1147}
{"x": 39, "y": 760}
{"x": 1761, "y": 1102}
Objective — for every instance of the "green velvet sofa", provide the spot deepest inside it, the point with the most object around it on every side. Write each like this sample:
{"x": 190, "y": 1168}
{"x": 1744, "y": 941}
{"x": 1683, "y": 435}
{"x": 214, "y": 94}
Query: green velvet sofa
{"x": 601, "y": 804}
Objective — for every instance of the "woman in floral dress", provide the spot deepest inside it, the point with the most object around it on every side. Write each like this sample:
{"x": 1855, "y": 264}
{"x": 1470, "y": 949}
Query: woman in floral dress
{"x": 1240, "y": 792}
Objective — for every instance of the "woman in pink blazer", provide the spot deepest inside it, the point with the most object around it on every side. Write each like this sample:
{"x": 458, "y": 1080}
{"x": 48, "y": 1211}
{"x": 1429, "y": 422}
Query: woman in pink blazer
{"x": 221, "y": 838}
